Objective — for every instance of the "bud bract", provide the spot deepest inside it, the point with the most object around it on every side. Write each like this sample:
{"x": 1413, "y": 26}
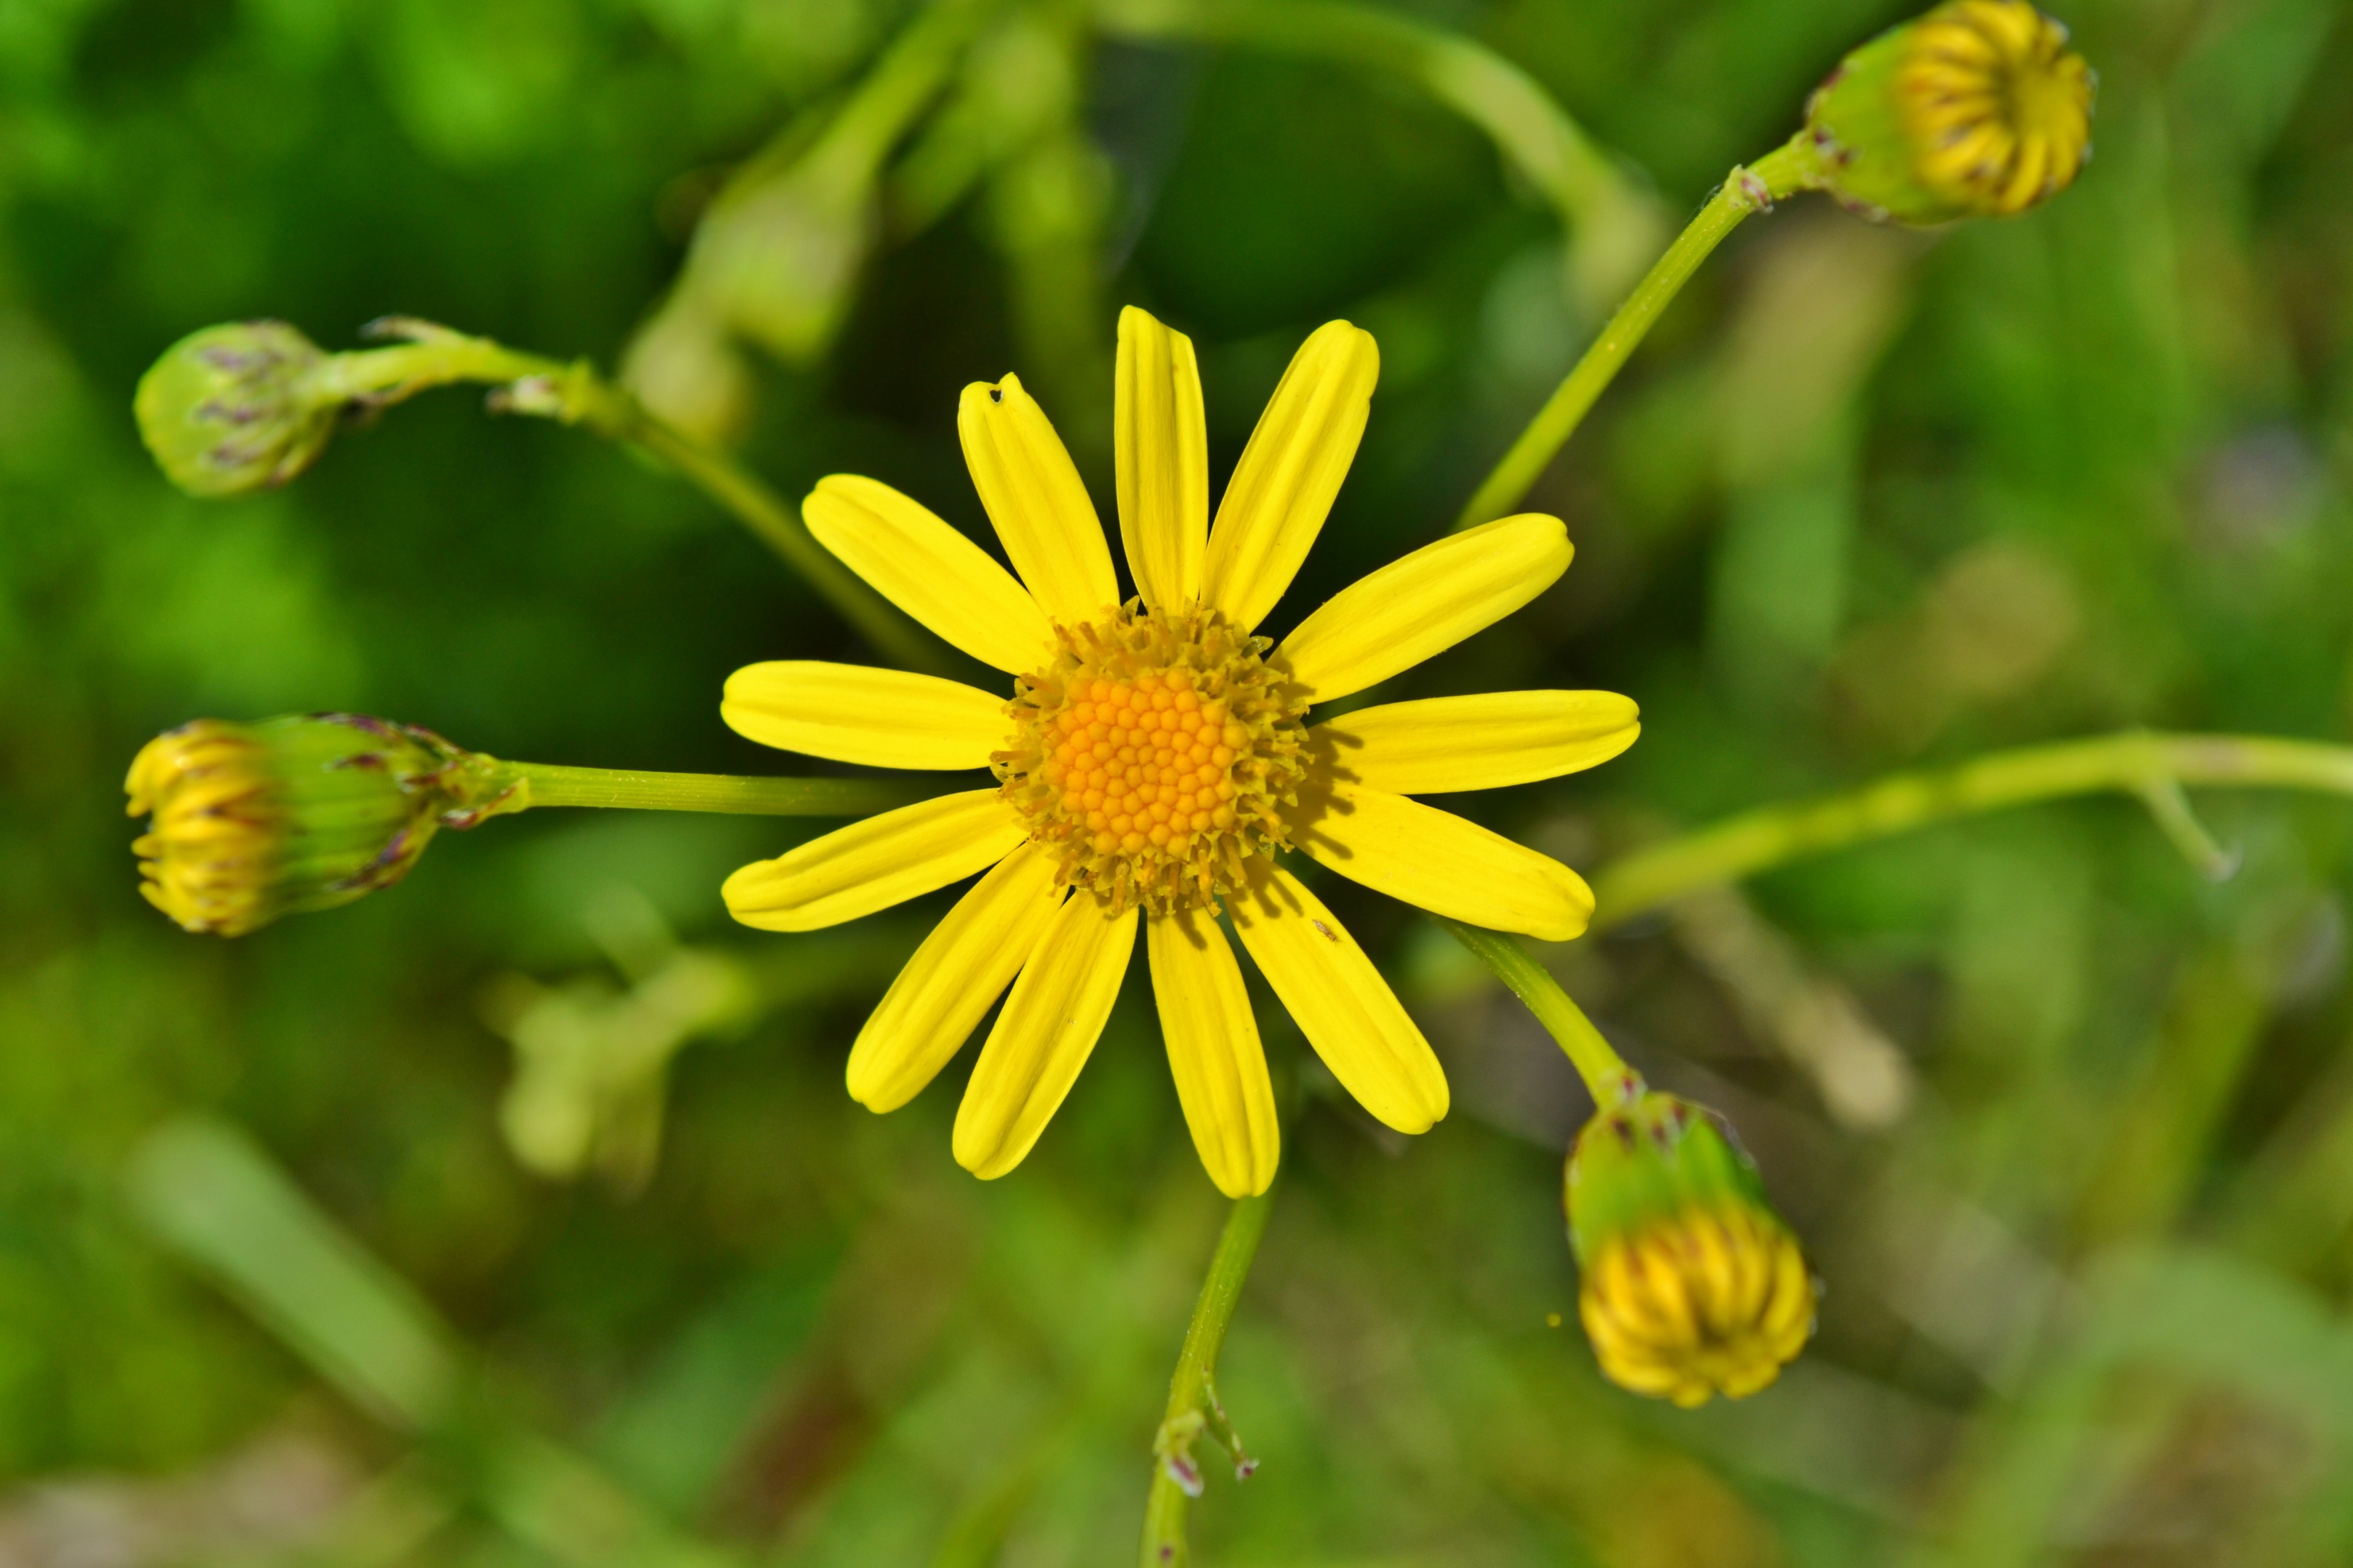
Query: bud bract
{"x": 1691, "y": 1285}
{"x": 248, "y": 822}
{"x": 1977, "y": 109}
{"x": 235, "y": 407}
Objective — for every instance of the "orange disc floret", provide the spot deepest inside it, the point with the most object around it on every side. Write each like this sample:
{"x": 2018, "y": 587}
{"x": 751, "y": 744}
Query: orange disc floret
{"x": 1155, "y": 753}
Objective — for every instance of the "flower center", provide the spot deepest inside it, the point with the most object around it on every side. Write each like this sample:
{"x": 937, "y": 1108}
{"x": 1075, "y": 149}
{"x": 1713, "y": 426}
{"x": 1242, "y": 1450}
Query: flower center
{"x": 1154, "y": 752}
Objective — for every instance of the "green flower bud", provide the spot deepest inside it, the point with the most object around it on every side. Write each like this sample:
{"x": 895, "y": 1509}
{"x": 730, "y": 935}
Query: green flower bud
{"x": 235, "y": 407}
{"x": 1691, "y": 1286}
{"x": 1976, "y": 110}
{"x": 248, "y": 822}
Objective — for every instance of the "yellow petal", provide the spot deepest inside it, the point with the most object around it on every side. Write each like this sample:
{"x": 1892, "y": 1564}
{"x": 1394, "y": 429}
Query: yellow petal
{"x": 1283, "y": 488}
{"x": 876, "y": 863}
{"x": 953, "y": 979}
{"x": 1424, "y": 603}
{"x": 1339, "y": 1000}
{"x": 1163, "y": 458}
{"x": 1044, "y": 1035}
{"x": 920, "y": 563}
{"x": 1214, "y": 1051}
{"x": 1437, "y": 861}
{"x": 1481, "y": 741}
{"x": 1033, "y": 494}
{"x": 856, "y": 713}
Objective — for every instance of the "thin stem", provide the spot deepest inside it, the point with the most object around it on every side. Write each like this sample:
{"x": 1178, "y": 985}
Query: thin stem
{"x": 1605, "y": 1072}
{"x": 435, "y": 358}
{"x": 575, "y": 394}
{"x": 898, "y": 90}
{"x": 549, "y": 785}
{"x": 1530, "y": 130}
{"x": 2149, "y": 766}
{"x": 778, "y": 524}
{"x": 1193, "y": 1406}
{"x": 1755, "y": 189}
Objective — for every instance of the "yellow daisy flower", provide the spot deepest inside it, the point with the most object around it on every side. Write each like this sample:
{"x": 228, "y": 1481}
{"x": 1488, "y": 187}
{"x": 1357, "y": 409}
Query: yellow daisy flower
{"x": 1156, "y": 754}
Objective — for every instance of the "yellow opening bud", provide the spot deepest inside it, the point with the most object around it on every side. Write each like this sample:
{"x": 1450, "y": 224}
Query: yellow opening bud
{"x": 248, "y": 822}
{"x": 1691, "y": 1286}
{"x": 1976, "y": 110}
{"x": 235, "y": 407}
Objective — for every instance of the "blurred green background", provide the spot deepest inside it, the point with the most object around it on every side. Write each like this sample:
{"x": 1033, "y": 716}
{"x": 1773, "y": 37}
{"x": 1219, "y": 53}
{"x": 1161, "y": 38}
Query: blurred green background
{"x": 517, "y": 1216}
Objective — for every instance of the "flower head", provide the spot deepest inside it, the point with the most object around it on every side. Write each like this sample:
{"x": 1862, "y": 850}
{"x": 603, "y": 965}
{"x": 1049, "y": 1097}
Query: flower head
{"x": 248, "y": 822}
{"x": 235, "y": 407}
{"x": 1692, "y": 1285}
{"x": 1977, "y": 109}
{"x": 1157, "y": 756}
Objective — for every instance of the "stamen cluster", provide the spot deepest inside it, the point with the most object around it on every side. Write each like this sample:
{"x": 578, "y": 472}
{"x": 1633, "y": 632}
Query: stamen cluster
{"x": 1155, "y": 753}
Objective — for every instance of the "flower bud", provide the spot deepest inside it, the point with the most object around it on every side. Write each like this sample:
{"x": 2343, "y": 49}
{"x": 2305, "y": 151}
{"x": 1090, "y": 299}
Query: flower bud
{"x": 1691, "y": 1284}
{"x": 248, "y": 822}
{"x": 1976, "y": 110}
{"x": 235, "y": 407}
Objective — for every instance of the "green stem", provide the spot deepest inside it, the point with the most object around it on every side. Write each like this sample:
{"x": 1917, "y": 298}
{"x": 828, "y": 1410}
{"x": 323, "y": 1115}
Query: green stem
{"x": 1541, "y": 142}
{"x": 900, "y": 86}
{"x": 575, "y": 394}
{"x": 2150, "y": 766}
{"x": 1193, "y": 1406}
{"x": 1605, "y": 1072}
{"x": 1781, "y": 173}
{"x": 549, "y": 785}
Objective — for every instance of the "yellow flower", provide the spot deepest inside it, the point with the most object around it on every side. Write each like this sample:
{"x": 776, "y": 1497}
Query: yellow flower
{"x": 2000, "y": 108}
{"x": 1156, "y": 754}
{"x": 1691, "y": 1286}
{"x": 1976, "y": 108}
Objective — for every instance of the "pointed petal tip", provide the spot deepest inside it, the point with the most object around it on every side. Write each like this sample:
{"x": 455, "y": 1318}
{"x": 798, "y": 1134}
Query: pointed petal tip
{"x": 1248, "y": 1185}
{"x": 1568, "y": 921}
{"x": 1438, "y": 1100}
{"x": 1340, "y": 329}
{"x": 874, "y": 1085}
{"x": 986, "y": 1159}
{"x": 747, "y": 904}
{"x": 1425, "y": 602}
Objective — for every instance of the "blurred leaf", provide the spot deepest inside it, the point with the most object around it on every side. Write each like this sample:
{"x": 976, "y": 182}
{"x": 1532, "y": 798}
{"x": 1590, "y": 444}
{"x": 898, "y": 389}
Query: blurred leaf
{"x": 208, "y": 1192}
